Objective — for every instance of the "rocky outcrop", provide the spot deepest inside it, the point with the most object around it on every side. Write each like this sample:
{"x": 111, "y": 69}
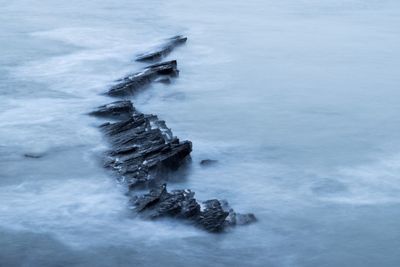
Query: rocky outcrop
{"x": 118, "y": 110}
{"x": 162, "y": 50}
{"x": 143, "y": 149}
{"x": 142, "y": 145}
{"x": 211, "y": 215}
{"x": 132, "y": 83}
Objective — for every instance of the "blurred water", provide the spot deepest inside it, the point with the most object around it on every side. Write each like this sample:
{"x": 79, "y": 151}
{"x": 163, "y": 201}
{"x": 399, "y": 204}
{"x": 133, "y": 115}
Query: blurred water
{"x": 297, "y": 100}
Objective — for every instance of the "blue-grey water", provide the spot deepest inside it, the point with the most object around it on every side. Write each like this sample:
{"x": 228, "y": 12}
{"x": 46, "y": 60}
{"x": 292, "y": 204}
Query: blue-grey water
{"x": 298, "y": 100}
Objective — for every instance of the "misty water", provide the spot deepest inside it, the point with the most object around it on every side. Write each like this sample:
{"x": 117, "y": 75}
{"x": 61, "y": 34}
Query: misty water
{"x": 298, "y": 100}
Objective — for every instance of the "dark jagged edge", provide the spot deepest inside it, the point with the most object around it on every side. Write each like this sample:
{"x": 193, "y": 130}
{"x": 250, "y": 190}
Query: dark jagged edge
{"x": 162, "y": 50}
{"x": 116, "y": 110}
{"x": 143, "y": 145}
{"x": 133, "y": 82}
{"x": 144, "y": 149}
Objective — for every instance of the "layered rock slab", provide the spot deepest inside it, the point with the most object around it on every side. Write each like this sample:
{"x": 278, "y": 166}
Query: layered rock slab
{"x": 134, "y": 82}
{"x": 212, "y": 215}
{"x": 142, "y": 146}
{"x": 116, "y": 110}
{"x": 163, "y": 49}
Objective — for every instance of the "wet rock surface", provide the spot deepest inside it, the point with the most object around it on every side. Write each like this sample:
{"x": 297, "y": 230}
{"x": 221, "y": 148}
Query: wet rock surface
{"x": 162, "y": 50}
{"x": 161, "y": 203}
{"x": 209, "y": 215}
{"x": 143, "y": 150}
{"x": 132, "y": 83}
{"x": 235, "y": 218}
{"x": 142, "y": 145}
{"x": 117, "y": 109}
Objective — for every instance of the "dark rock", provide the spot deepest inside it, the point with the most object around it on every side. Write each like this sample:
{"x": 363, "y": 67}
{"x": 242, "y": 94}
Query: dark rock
{"x": 234, "y": 218}
{"x": 212, "y": 218}
{"x": 160, "y": 203}
{"x": 147, "y": 200}
{"x": 162, "y": 50}
{"x": 182, "y": 204}
{"x": 190, "y": 208}
{"x": 117, "y": 109}
{"x": 134, "y": 82}
{"x": 179, "y": 203}
{"x": 34, "y": 155}
{"x": 141, "y": 146}
{"x": 208, "y": 162}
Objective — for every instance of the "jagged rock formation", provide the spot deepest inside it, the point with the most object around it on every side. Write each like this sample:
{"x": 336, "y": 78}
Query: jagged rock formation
{"x": 132, "y": 83}
{"x": 118, "y": 109}
{"x": 162, "y": 50}
{"x": 143, "y": 148}
{"x": 214, "y": 216}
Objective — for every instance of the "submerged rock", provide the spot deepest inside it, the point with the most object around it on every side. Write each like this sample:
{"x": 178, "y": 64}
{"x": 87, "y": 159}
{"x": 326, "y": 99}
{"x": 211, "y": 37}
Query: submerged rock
{"x": 208, "y": 162}
{"x": 243, "y": 219}
{"x": 162, "y": 50}
{"x": 136, "y": 81}
{"x": 237, "y": 218}
{"x": 164, "y": 80}
{"x": 34, "y": 155}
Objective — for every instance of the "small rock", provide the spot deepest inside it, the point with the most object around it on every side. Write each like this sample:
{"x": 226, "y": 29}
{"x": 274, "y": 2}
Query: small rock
{"x": 243, "y": 219}
{"x": 208, "y": 162}
{"x": 119, "y": 109}
{"x": 132, "y": 83}
{"x": 162, "y": 50}
{"x": 212, "y": 218}
{"x": 34, "y": 155}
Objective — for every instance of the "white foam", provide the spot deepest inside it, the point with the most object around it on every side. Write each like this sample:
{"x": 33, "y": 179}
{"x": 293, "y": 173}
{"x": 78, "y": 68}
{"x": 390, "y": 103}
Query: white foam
{"x": 90, "y": 65}
{"x": 370, "y": 184}
{"x": 78, "y": 212}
